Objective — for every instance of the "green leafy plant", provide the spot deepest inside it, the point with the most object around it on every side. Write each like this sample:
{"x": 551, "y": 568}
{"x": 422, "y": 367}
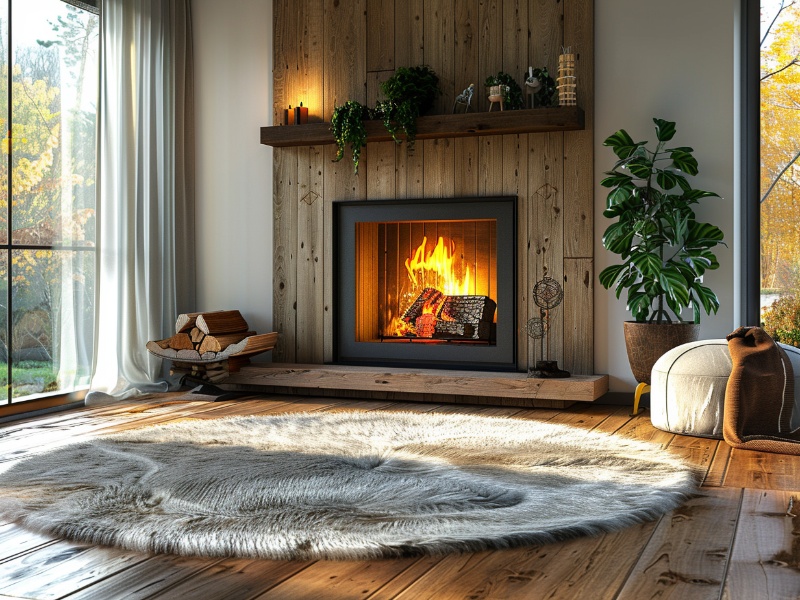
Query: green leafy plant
{"x": 347, "y": 125}
{"x": 782, "y": 320}
{"x": 664, "y": 249}
{"x": 512, "y": 93}
{"x": 409, "y": 93}
{"x": 546, "y": 94}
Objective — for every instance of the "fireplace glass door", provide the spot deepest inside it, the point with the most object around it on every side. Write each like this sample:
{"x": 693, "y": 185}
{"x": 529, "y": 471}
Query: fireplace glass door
{"x": 428, "y": 284}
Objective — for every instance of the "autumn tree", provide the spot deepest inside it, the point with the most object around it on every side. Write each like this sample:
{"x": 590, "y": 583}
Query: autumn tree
{"x": 780, "y": 149}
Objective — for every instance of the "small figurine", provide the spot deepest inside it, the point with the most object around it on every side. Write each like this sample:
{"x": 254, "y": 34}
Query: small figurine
{"x": 464, "y": 98}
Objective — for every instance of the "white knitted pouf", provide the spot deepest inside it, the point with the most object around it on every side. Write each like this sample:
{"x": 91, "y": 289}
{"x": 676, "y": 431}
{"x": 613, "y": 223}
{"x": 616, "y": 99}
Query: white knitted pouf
{"x": 687, "y": 390}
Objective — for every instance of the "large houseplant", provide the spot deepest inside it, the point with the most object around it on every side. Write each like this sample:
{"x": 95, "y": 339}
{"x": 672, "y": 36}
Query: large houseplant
{"x": 664, "y": 249}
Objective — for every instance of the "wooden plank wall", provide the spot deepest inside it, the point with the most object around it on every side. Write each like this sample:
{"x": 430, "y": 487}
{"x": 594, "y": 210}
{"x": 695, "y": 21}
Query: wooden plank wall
{"x": 329, "y": 51}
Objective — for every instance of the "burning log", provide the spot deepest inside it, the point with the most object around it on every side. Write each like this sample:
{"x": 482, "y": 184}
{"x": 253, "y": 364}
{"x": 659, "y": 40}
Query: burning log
{"x": 468, "y": 309}
{"x": 468, "y": 317}
{"x": 430, "y": 297}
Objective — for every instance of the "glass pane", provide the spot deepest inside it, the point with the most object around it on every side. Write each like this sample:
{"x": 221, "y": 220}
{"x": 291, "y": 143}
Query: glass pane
{"x": 52, "y": 320}
{"x": 780, "y": 149}
{"x": 4, "y": 123}
{"x": 54, "y": 109}
{"x": 4, "y": 396}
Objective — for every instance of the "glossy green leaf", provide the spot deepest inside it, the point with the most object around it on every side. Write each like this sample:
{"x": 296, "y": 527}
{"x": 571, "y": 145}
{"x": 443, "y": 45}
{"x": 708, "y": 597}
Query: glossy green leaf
{"x": 622, "y": 143}
{"x": 609, "y": 275}
{"x": 648, "y": 263}
{"x": 618, "y": 238}
{"x": 665, "y": 130}
{"x": 666, "y": 180}
{"x": 641, "y": 167}
{"x": 613, "y": 179}
{"x": 684, "y": 161}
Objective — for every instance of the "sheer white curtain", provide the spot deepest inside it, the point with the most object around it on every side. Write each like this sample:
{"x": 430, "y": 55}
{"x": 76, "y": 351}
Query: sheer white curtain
{"x": 146, "y": 262}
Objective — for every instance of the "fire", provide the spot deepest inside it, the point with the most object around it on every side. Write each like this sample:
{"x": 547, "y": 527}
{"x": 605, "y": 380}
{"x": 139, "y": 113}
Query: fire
{"x": 437, "y": 269}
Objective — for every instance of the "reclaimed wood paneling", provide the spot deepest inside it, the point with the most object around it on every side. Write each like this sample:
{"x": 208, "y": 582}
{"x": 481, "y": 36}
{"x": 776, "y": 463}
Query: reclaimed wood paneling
{"x": 579, "y": 145}
{"x": 284, "y": 277}
{"x": 466, "y": 70}
{"x": 408, "y": 33}
{"x": 310, "y": 256}
{"x": 578, "y": 314}
{"x": 439, "y": 49}
{"x": 328, "y": 51}
{"x": 380, "y": 35}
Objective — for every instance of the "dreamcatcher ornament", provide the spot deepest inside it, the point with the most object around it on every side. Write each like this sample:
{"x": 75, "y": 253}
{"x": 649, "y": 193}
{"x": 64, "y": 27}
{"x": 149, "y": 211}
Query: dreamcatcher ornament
{"x": 547, "y": 294}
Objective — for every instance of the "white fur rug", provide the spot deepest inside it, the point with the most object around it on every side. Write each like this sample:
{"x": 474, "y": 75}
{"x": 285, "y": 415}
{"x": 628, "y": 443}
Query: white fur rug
{"x": 342, "y": 485}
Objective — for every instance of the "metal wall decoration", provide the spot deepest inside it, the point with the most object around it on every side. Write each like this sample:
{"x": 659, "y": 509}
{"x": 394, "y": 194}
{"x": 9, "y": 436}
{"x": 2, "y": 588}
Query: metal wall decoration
{"x": 547, "y": 294}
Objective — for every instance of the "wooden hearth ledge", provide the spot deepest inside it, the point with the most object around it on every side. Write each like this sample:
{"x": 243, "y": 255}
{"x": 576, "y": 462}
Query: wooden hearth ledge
{"x": 476, "y": 387}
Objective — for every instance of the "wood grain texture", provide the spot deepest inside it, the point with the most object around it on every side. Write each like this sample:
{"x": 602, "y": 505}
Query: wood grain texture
{"x": 284, "y": 235}
{"x": 439, "y": 126}
{"x": 467, "y": 46}
{"x": 380, "y": 35}
{"x": 578, "y": 314}
{"x": 726, "y": 542}
{"x": 310, "y": 256}
{"x": 579, "y": 147}
{"x": 409, "y": 33}
{"x": 439, "y": 49}
{"x": 467, "y": 383}
{"x": 686, "y": 558}
{"x": 334, "y": 51}
{"x": 766, "y": 555}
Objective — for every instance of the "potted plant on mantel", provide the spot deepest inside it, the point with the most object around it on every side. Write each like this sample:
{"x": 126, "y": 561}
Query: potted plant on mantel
{"x": 664, "y": 249}
{"x": 409, "y": 93}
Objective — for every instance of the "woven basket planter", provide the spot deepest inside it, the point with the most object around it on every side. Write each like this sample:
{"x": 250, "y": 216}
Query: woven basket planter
{"x": 647, "y": 342}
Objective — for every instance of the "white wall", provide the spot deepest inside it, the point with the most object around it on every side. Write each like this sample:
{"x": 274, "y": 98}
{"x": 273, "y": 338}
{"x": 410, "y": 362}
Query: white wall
{"x": 672, "y": 60}
{"x": 233, "y": 91}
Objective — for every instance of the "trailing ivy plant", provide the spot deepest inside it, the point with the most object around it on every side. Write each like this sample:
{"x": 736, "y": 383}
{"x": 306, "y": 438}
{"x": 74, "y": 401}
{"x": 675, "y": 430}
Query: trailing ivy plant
{"x": 347, "y": 125}
{"x": 409, "y": 93}
{"x": 664, "y": 249}
{"x": 512, "y": 93}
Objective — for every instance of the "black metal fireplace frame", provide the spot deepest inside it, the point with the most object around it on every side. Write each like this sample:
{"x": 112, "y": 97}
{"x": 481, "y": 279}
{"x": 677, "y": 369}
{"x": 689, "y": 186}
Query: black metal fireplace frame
{"x": 502, "y": 356}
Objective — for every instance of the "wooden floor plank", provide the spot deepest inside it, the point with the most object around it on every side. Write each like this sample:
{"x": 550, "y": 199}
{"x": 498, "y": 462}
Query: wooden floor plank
{"x": 144, "y": 579}
{"x": 719, "y": 466}
{"x": 687, "y": 555}
{"x": 340, "y": 579}
{"x": 233, "y": 579}
{"x": 763, "y": 470}
{"x": 681, "y": 556}
{"x": 57, "y": 578}
{"x": 593, "y": 567}
{"x": 766, "y": 551}
{"x": 14, "y": 540}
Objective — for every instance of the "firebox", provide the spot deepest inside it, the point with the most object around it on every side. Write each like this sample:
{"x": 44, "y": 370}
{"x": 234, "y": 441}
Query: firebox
{"x": 426, "y": 283}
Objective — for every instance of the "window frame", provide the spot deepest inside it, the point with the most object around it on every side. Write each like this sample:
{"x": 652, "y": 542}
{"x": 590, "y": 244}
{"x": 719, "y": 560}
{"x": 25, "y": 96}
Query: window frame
{"x": 749, "y": 229}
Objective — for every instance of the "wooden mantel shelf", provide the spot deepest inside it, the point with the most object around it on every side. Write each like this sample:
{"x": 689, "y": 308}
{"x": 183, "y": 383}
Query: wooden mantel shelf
{"x": 537, "y": 120}
{"x": 510, "y": 389}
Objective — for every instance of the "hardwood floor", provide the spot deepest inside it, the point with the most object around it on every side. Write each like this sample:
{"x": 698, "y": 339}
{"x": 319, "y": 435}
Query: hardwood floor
{"x": 738, "y": 539}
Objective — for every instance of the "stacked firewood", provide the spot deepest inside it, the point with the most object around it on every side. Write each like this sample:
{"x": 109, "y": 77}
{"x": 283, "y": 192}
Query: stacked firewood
{"x": 209, "y": 345}
{"x": 436, "y": 315}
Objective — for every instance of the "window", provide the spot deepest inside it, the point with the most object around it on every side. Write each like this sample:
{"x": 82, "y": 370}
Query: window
{"x": 48, "y": 102}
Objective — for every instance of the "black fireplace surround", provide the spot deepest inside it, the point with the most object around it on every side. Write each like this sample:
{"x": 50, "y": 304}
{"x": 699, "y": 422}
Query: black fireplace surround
{"x": 353, "y": 281}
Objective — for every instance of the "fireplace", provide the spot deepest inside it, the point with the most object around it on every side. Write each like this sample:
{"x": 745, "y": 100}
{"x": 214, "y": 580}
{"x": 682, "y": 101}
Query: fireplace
{"x": 425, "y": 283}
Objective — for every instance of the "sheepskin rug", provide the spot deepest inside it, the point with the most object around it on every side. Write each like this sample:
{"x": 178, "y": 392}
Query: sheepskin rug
{"x": 347, "y": 485}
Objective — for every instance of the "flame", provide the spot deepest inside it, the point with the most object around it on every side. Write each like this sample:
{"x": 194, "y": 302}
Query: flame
{"x": 437, "y": 269}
